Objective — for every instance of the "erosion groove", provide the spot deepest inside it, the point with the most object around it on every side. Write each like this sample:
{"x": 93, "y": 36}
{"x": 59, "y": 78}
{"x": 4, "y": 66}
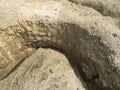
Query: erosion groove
{"x": 89, "y": 40}
{"x": 105, "y": 7}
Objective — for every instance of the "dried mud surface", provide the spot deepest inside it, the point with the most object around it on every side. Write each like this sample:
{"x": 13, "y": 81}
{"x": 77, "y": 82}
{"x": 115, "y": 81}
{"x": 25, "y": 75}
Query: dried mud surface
{"x": 87, "y": 32}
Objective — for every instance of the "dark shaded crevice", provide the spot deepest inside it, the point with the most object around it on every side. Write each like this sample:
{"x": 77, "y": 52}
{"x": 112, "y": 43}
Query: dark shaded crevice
{"x": 94, "y": 77}
{"x": 15, "y": 67}
{"x": 74, "y": 59}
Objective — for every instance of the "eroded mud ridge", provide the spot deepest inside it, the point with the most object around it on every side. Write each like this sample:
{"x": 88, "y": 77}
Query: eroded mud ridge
{"x": 88, "y": 37}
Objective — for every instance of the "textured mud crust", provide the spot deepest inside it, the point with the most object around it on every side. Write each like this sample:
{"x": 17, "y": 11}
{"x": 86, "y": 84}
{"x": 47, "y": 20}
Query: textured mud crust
{"x": 88, "y": 39}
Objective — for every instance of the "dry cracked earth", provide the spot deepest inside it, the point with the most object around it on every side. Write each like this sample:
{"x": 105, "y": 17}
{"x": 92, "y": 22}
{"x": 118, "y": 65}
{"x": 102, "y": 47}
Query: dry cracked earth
{"x": 60, "y": 45}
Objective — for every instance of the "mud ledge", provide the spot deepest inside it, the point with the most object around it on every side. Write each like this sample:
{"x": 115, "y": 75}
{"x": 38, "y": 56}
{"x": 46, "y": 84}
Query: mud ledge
{"x": 89, "y": 40}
